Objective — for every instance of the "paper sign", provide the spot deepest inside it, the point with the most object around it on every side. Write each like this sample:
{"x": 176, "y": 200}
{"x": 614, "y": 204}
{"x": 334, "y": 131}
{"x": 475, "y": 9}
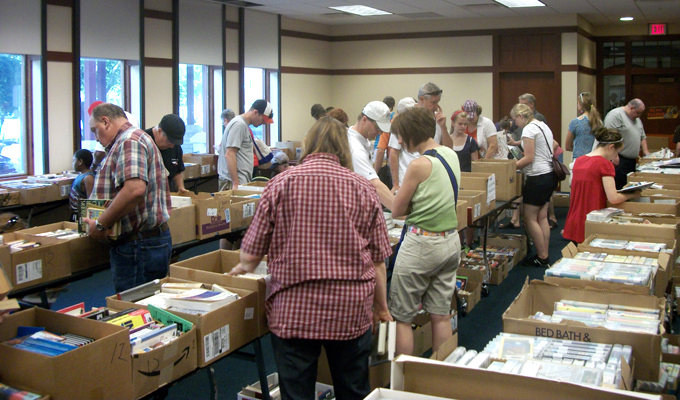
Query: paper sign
{"x": 29, "y": 271}
{"x": 478, "y": 210}
{"x": 248, "y": 210}
{"x": 227, "y": 215}
{"x": 662, "y": 112}
{"x": 211, "y": 212}
{"x": 65, "y": 189}
{"x": 250, "y": 311}
{"x": 491, "y": 189}
{"x": 216, "y": 343}
{"x": 205, "y": 169}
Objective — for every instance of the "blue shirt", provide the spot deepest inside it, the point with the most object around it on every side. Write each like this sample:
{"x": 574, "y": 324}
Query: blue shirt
{"x": 583, "y": 139}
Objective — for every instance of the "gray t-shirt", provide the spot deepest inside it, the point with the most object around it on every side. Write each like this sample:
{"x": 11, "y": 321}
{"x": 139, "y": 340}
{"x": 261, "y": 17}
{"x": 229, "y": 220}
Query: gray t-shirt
{"x": 631, "y": 131}
{"x": 237, "y": 134}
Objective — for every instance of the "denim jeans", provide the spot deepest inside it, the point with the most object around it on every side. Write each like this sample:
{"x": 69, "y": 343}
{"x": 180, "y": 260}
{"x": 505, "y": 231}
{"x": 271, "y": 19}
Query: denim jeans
{"x": 297, "y": 360}
{"x": 140, "y": 261}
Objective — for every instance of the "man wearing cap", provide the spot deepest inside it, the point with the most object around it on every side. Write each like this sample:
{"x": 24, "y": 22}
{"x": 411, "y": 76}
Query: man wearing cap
{"x": 280, "y": 163}
{"x": 483, "y": 130}
{"x": 169, "y": 137}
{"x": 133, "y": 177}
{"x": 429, "y": 96}
{"x": 235, "y": 161}
{"x": 373, "y": 120}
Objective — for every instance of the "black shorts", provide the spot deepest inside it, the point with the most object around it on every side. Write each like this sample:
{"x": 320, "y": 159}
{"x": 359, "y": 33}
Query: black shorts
{"x": 538, "y": 189}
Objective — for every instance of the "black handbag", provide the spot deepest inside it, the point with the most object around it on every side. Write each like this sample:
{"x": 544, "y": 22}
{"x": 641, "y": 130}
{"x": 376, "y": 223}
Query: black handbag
{"x": 561, "y": 171}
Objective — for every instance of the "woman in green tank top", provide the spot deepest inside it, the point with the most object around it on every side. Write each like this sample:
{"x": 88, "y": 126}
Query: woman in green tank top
{"x": 425, "y": 268}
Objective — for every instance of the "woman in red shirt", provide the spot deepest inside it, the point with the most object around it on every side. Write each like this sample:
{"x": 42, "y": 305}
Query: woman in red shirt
{"x": 592, "y": 183}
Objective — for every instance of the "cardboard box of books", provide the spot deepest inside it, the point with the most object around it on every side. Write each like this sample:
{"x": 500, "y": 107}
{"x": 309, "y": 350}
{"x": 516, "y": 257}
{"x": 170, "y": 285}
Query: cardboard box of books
{"x": 212, "y": 268}
{"x": 469, "y": 284}
{"x": 254, "y": 390}
{"x": 515, "y": 241}
{"x": 665, "y": 271}
{"x": 182, "y": 222}
{"x": 292, "y": 149}
{"x": 650, "y": 204}
{"x": 462, "y": 214}
{"x": 158, "y": 367}
{"x": 643, "y": 226}
{"x": 207, "y": 162}
{"x": 661, "y": 192}
{"x": 34, "y": 193}
{"x": 219, "y": 332}
{"x": 670, "y": 348}
{"x": 9, "y": 197}
{"x": 506, "y": 176}
{"x": 476, "y": 200}
{"x": 191, "y": 171}
{"x": 28, "y": 261}
{"x": 561, "y": 199}
{"x": 659, "y": 178}
{"x": 20, "y": 392}
{"x": 212, "y": 213}
{"x": 98, "y": 370}
{"x": 242, "y": 210}
{"x": 570, "y": 251}
{"x": 497, "y": 265}
{"x": 540, "y": 296}
{"x": 62, "y": 181}
{"x": 480, "y": 181}
{"x": 85, "y": 252}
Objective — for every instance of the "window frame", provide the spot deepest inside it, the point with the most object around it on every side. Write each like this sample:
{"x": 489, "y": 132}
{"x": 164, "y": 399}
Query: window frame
{"x": 27, "y": 117}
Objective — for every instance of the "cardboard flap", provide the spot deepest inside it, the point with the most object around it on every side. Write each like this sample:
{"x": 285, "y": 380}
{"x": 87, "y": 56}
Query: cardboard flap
{"x": 570, "y": 251}
{"x": 626, "y": 375}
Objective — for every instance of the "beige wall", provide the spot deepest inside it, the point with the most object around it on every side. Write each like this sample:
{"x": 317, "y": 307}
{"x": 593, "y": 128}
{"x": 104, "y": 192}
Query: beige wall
{"x": 570, "y": 48}
{"x": 306, "y": 53}
{"x": 298, "y": 93}
{"x": 233, "y": 91}
{"x": 587, "y": 52}
{"x": 304, "y": 26}
{"x": 20, "y": 16}
{"x": 160, "y": 5}
{"x": 157, "y": 38}
{"x": 569, "y": 93}
{"x": 59, "y": 118}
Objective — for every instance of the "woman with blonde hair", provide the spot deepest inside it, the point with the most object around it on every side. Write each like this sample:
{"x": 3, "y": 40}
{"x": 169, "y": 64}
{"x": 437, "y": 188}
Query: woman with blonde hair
{"x": 537, "y": 140}
{"x": 322, "y": 227}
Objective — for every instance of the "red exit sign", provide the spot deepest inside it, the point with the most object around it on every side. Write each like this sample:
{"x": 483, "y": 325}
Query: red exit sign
{"x": 657, "y": 29}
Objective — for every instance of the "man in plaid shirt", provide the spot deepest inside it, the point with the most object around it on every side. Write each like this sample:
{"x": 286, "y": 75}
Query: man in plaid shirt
{"x": 134, "y": 178}
{"x": 324, "y": 233}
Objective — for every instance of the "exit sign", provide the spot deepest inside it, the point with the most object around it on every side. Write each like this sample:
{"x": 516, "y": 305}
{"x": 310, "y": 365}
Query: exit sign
{"x": 657, "y": 29}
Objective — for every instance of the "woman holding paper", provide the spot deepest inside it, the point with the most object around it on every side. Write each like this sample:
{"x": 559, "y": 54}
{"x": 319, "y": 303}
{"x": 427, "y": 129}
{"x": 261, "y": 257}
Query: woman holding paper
{"x": 593, "y": 183}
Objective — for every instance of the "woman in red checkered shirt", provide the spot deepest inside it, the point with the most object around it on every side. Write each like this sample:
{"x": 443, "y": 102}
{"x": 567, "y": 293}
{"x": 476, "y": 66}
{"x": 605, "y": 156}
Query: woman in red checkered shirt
{"x": 322, "y": 228}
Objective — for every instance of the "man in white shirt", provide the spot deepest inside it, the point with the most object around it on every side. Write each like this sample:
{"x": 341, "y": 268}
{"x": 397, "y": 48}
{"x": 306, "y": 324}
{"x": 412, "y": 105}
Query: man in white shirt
{"x": 373, "y": 120}
{"x": 429, "y": 96}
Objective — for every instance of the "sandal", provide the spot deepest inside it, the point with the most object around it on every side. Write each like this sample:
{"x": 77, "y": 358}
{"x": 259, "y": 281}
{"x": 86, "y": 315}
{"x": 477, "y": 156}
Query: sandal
{"x": 508, "y": 225}
{"x": 553, "y": 224}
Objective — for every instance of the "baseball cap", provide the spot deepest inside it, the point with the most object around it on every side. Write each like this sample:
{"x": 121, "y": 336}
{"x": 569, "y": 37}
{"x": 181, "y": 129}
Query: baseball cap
{"x": 264, "y": 108}
{"x": 174, "y": 128}
{"x": 380, "y": 113}
{"x": 406, "y": 102}
{"x": 470, "y": 107}
{"x": 279, "y": 158}
{"x": 93, "y": 105}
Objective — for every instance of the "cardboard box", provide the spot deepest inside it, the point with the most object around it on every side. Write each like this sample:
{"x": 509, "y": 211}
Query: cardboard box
{"x": 473, "y": 291}
{"x": 100, "y": 370}
{"x": 64, "y": 187}
{"x": 561, "y": 199}
{"x": 476, "y": 201}
{"x": 661, "y": 179}
{"x": 654, "y": 204}
{"x": 660, "y": 227}
{"x": 480, "y": 181}
{"x": 382, "y": 393}
{"x": 661, "y": 192}
{"x": 571, "y": 250}
{"x": 212, "y": 213}
{"x": 499, "y": 273}
{"x": 160, "y": 366}
{"x": 211, "y": 268}
{"x": 85, "y": 252}
{"x": 675, "y": 341}
{"x": 191, "y": 171}
{"x": 182, "y": 224}
{"x": 665, "y": 271}
{"x": 510, "y": 240}
{"x": 9, "y": 197}
{"x": 43, "y": 194}
{"x": 462, "y": 214}
{"x": 506, "y": 176}
{"x": 656, "y": 143}
{"x": 422, "y": 334}
{"x": 219, "y": 332}
{"x": 272, "y": 380}
{"x": 292, "y": 149}
{"x": 541, "y": 296}
{"x": 50, "y": 261}
{"x": 208, "y": 162}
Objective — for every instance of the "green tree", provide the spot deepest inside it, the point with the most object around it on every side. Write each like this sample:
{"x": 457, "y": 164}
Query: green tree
{"x": 10, "y": 79}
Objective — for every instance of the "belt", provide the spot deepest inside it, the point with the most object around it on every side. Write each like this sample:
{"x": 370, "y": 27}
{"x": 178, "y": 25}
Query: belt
{"x": 423, "y": 232}
{"x": 135, "y": 236}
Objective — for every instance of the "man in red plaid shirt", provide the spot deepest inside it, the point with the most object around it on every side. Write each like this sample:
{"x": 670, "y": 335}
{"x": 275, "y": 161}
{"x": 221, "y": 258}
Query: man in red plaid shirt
{"x": 322, "y": 227}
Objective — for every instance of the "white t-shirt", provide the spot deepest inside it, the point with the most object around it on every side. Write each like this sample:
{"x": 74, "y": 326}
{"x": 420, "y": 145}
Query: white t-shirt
{"x": 405, "y": 157}
{"x": 485, "y": 129}
{"x": 361, "y": 154}
{"x": 502, "y": 153}
{"x": 542, "y": 163}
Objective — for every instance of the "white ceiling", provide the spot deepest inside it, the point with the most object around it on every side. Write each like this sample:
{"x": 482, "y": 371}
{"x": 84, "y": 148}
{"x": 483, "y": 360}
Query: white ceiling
{"x": 597, "y": 12}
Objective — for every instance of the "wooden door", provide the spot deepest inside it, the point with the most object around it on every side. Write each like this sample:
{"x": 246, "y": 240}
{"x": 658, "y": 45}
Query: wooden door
{"x": 658, "y": 91}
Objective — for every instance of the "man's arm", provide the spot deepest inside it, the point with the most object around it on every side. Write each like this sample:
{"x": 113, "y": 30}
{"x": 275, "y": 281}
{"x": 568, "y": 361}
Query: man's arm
{"x": 380, "y": 309}
{"x": 394, "y": 168}
{"x": 643, "y": 146}
{"x": 384, "y": 194}
{"x": 130, "y": 195}
{"x": 231, "y": 165}
{"x": 248, "y": 264}
{"x": 379, "y": 156}
{"x": 179, "y": 182}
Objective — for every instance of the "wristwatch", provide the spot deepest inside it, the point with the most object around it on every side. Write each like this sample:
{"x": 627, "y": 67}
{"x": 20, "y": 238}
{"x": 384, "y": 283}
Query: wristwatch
{"x": 101, "y": 227}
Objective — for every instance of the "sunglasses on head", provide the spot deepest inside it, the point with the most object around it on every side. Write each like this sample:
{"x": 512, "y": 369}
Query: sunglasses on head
{"x": 434, "y": 93}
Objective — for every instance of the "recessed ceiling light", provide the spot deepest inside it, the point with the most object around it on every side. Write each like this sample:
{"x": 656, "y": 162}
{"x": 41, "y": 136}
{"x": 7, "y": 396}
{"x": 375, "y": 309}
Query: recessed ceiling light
{"x": 626, "y": 18}
{"x": 364, "y": 11}
{"x": 520, "y": 3}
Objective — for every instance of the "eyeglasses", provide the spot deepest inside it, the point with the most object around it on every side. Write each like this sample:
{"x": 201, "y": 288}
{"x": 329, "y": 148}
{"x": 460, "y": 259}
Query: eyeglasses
{"x": 434, "y": 93}
{"x": 375, "y": 124}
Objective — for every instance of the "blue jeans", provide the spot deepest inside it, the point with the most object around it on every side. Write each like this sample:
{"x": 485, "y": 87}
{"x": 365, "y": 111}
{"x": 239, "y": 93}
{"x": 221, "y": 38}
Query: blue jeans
{"x": 297, "y": 360}
{"x": 141, "y": 261}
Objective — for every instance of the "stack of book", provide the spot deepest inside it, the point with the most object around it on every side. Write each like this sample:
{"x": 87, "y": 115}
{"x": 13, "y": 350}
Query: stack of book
{"x": 631, "y": 274}
{"x": 614, "y": 258}
{"x": 48, "y": 343}
{"x": 615, "y": 244}
{"x": 65, "y": 234}
{"x": 603, "y": 215}
{"x": 190, "y": 298}
{"x": 10, "y": 393}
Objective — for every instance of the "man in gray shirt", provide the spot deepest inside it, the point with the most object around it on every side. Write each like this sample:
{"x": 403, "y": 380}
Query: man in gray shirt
{"x": 627, "y": 121}
{"x": 235, "y": 161}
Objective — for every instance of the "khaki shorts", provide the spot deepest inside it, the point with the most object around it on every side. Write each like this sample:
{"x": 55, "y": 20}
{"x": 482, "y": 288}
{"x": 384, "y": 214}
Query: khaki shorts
{"x": 424, "y": 272}
{"x": 224, "y": 185}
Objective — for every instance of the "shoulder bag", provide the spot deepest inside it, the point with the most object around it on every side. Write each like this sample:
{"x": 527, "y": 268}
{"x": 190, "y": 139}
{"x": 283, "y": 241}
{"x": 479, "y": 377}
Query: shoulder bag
{"x": 561, "y": 171}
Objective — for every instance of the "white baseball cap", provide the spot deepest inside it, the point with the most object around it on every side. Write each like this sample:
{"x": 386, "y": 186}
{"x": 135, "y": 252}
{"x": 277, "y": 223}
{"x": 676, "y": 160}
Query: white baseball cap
{"x": 380, "y": 113}
{"x": 406, "y": 102}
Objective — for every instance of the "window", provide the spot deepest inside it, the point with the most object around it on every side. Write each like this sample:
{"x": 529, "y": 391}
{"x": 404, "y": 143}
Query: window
{"x": 218, "y": 106}
{"x": 100, "y": 80}
{"x": 263, "y": 84}
{"x": 614, "y": 54}
{"x": 656, "y": 54}
{"x": 193, "y": 107}
{"x": 12, "y": 115}
{"x": 254, "y": 90}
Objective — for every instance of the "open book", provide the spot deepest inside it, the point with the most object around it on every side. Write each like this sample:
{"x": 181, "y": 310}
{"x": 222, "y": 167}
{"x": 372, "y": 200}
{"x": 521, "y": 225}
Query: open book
{"x": 635, "y": 186}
